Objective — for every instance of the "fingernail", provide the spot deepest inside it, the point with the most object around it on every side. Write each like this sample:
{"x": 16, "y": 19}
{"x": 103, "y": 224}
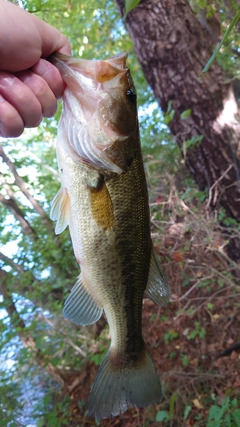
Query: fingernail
{"x": 42, "y": 68}
{"x": 7, "y": 81}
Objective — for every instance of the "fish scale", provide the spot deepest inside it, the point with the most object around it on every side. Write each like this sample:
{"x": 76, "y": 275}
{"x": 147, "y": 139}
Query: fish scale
{"x": 104, "y": 201}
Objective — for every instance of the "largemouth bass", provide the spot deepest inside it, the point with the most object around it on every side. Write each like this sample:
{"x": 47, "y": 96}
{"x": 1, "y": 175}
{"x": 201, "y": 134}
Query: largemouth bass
{"x": 104, "y": 200}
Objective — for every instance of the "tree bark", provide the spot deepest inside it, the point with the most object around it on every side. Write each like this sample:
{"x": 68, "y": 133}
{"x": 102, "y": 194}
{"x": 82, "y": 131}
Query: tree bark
{"x": 173, "y": 48}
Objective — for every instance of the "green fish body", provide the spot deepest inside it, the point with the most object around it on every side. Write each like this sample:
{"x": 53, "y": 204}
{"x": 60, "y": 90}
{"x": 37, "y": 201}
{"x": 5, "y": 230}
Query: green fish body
{"x": 104, "y": 201}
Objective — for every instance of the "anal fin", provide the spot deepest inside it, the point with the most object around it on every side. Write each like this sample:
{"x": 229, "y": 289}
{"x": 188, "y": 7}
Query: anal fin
{"x": 157, "y": 288}
{"x": 80, "y": 307}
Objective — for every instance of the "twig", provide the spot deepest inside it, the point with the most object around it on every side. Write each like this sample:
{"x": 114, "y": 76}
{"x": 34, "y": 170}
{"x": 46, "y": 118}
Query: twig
{"x": 191, "y": 289}
{"x": 193, "y": 374}
{"x": 187, "y": 208}
{"x": 23, "y": 187}
{"x": 226, "y": 327}
{"x": 224, "y": 277}
{"x": 204, "y": 299}
{"x": 215, "y": 184}
{"x": 13, "y": 264}
{"x": 38, "y": 160}
{"x": 66, "y": 339}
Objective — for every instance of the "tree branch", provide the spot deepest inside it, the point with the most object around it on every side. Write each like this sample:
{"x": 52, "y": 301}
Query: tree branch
{"x": 57, "y": 294}
{"x": 19, "y": 268}
{"x": 28, "y": 341}
{"x": 21, "y": 184}
{"x": 11, "y": 204}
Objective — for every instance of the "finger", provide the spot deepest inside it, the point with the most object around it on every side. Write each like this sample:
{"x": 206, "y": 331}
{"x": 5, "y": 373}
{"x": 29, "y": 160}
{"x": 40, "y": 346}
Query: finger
{"x": 11, "y": 123}
{"x": 50, "y": 73}
{"x": 22, "y": 99}
{"x": 41, "y": 90}
{"x": 52, "y": 40}
{"x": 38, "y": 38}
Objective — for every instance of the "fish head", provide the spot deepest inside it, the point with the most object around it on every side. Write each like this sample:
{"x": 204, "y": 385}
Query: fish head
{"x": 100, "y": 111}
{"x": 117, "y": 108}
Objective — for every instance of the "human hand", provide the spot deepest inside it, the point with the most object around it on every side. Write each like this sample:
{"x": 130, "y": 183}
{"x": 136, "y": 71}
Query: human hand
{"x": 29, "y": 85}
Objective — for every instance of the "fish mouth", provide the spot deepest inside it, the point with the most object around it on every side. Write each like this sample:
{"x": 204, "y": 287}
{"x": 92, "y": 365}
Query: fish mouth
{"x": 96, "y": 86}
{"x": 88, "y": 79}
{"x": 99, "y": 71}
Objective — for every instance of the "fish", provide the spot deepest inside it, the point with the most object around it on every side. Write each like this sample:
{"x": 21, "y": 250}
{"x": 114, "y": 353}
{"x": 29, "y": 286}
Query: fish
{"x": 103, "y": 200}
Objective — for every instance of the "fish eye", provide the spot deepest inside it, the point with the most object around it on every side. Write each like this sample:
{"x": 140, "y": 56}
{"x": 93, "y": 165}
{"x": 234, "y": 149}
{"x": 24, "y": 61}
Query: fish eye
{"x": 131, "y": 95}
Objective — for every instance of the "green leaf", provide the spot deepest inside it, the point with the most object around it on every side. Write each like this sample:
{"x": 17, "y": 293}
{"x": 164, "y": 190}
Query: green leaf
{"x": 236, "y": 416}
{"x": 192, "y": 142}
{"x": 227, "y": 421}
{"x": 129, "y": 5}
{"x": 171, "y": 406}
{"x": 213, "y": 413}
{"x": 39, "y": 342}
{"x": 52, "y": 414}
{"x": 234, "y": 403}
{"x": 185, "y": 114}
{"x": 55, "y": 361}
{"x": 186, "y": 411}
{"x": 162, "y": 415}
{"x": 169, "y": 117}
{"x": 40, "y": 422}
{"x": 231, "y": 26}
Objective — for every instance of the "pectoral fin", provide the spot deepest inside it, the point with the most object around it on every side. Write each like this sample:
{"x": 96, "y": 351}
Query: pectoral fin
{"x": 157, "y": 288}
{"x": 60, "y": 210}
{"x": 80, "y": 306}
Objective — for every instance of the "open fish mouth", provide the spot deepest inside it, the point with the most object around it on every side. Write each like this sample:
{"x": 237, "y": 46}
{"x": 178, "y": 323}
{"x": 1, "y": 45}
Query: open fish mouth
{"x": 99, "y": 119}
{"x": 88, "y": 73}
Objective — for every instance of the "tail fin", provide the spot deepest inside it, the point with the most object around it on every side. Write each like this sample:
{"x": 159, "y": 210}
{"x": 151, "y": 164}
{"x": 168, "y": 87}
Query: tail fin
{"x": 117, "y": 388}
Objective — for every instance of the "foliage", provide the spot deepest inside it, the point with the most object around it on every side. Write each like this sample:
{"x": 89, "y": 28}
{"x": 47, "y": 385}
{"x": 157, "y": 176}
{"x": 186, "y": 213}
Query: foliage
{"x": 129, "y": 5}
{"x": 37, "y": 346}
{"x": 227, "y": 33}
{"x": 228, "y": 414}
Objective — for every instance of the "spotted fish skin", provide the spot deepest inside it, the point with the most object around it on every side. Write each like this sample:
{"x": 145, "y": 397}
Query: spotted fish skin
{"x": 104, "y": 201}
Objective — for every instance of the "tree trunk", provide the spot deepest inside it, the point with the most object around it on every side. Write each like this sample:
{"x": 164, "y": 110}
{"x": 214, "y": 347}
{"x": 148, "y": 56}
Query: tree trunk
{"x": 173, "y": 48}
